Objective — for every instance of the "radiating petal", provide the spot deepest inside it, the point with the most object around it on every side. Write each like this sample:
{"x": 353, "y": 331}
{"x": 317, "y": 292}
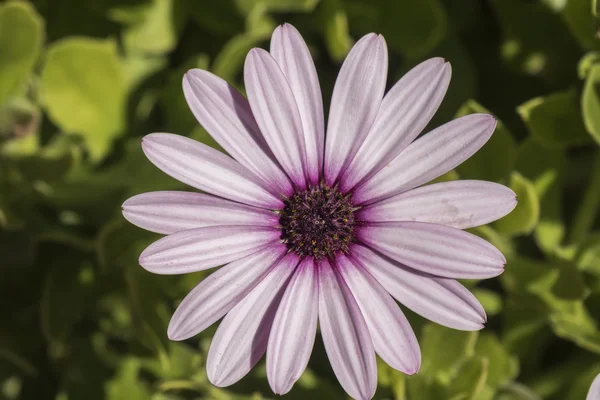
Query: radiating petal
{"x": 207, "y": 169}
{"x": 459, "y": 204}
{"x": 355, "y": 101}
{"x": 241, "y": 339}
{"x": 428, "y": 157}
{"x": 276, "y": 113}
{"x": 294, "y": 59}
{"x": 441, "y": 300}
{"x": 216, "y": 295}
{"x": 203, "y": 248}
{"x": 393, "y": 338}
{"x": 594, "y": 393}
{"x": 405, "y": 111}
{"x": 227, "y": 117}
{"x": 346, "y": 336}
{"x": 435, "y": 249}
{"x": 171, "y": 211}
{"x": 294, "y": 328}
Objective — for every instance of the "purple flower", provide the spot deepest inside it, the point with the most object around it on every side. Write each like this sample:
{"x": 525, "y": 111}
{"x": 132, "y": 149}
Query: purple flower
{"x": 594, "y": 393}
{"x": 315, "y": 227}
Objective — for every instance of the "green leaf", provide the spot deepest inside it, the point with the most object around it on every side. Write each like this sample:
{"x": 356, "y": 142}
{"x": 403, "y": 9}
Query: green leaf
{"x": 152, "y": 28}
{"x": 586, "y": 63}
{"x": 495, "y": 160}
{"x": 501, "y": 367}
{"x": 21, "y": 38}
{"x": 470, "y": 380}
{"x": 544, "y": 168}
{"x": 556, "y": 5}
{"x": 588, "y": 255}
{"x": 86, "y": 75}
{"x": 247, "y": 6}
{"x": 491, "y": 301}
{"x": 517, "y": 391}
{"x": 230, "y": 59}
{"x": 337, "y": 36}
{"x": 440, "y": 360}
{"x": 411, "y": 27}
{"x": 555, "y": 120}
{"x": 127, "y": 385}
{"x": 590, "y": 103}
{"x": 525, "y": 216}
{"x": 583, "y": 24}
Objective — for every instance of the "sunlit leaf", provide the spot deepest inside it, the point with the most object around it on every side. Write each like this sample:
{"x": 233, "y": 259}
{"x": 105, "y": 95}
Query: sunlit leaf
{"x": 85, "y": 75}
{"x": 555, "y": 120}
{"x": 525, "y": 216}
{"x": 21, "y": 38}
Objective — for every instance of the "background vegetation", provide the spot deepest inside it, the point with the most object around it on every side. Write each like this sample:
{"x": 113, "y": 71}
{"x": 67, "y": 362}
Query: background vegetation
{"x": 81, "y": 81}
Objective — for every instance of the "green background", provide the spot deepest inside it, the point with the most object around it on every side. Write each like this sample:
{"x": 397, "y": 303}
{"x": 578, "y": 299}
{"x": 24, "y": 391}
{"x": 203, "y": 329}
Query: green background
{"x": 81, "y": 81}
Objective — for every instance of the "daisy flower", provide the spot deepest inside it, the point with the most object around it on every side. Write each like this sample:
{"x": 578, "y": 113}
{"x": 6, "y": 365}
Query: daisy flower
{"x": 317, "y": 225}
{"x": 594, "y": 393}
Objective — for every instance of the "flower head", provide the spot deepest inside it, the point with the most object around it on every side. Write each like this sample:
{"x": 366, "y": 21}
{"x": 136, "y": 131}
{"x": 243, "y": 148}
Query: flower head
{"x": 316, "y": 228}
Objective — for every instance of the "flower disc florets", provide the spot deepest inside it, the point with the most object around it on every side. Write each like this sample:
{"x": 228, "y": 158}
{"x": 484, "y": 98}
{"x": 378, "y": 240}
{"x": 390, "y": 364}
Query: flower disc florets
{"x": 317, "y": 222}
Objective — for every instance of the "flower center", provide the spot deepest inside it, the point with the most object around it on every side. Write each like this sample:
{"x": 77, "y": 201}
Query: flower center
{"x": 317, "y": 222}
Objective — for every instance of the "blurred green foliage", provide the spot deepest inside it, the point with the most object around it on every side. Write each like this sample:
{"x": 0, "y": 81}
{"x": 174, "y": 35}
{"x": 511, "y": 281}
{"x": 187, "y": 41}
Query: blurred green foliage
{"x": 81, "y": 81}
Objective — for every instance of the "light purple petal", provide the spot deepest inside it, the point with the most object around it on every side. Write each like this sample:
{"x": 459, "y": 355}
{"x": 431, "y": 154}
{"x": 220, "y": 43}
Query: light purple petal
{"x": 241, "y": 339}
{"x": 227, "y": 117}
{"x": 203, "y": 248}
{"x": 294, "y": 59}
{"x": 207, "y": 169}
{"x": 393, "y": 338}
{"x": 594, "y": 393}
{"x": 356, "y": 99}
{"x": 405, "y": 111}
{"x": 216, "y": 295}
{"x": 170, "y": 211}
{"x": 441, "y": 300}
{"x": 458, "y": 204}
{"x": 294, "y": 328}
{"x": 346, "y": 336}
{"x": 428, "y": 157}
{"x": 435, "y": 249}
{"x": 276, "y": 113}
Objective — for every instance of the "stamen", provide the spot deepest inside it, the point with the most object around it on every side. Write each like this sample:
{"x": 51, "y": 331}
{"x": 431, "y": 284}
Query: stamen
{"x": 317, "y": 222}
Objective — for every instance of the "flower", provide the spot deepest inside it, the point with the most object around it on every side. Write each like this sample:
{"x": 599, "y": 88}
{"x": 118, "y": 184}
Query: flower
{"x": 316, "y": 228}
{"x": 594, "y": 393}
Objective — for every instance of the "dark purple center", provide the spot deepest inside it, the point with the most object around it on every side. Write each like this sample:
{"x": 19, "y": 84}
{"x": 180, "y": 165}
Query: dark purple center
{"x": 317, "y": 222}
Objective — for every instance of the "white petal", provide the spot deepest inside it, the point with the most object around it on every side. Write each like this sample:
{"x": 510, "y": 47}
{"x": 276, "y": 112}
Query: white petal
{"x": 458, "y": 204}
{"x": 594, "y": 393}
{"x": 405, "y": 111}
{"x": 435, "y": 249}
{"x": 170, "y": 211}
{"x": 216, "y": 295}
{"x": 294, "y": 59}
{"x": 346, "y": 336}
{"x": 203, "y": 248}
{"x": 207, "y": 169}
{"x": 227, "y": 116}
{"x": 276, "y": 113}
{"x": 441, "y": 300}
{"x": 393, "y": 338}
{"x": 294, "y": 328}
{"x": 356, "y": 99}
{"x": 428, "y": 157}
{"x": 241, "y": 339}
